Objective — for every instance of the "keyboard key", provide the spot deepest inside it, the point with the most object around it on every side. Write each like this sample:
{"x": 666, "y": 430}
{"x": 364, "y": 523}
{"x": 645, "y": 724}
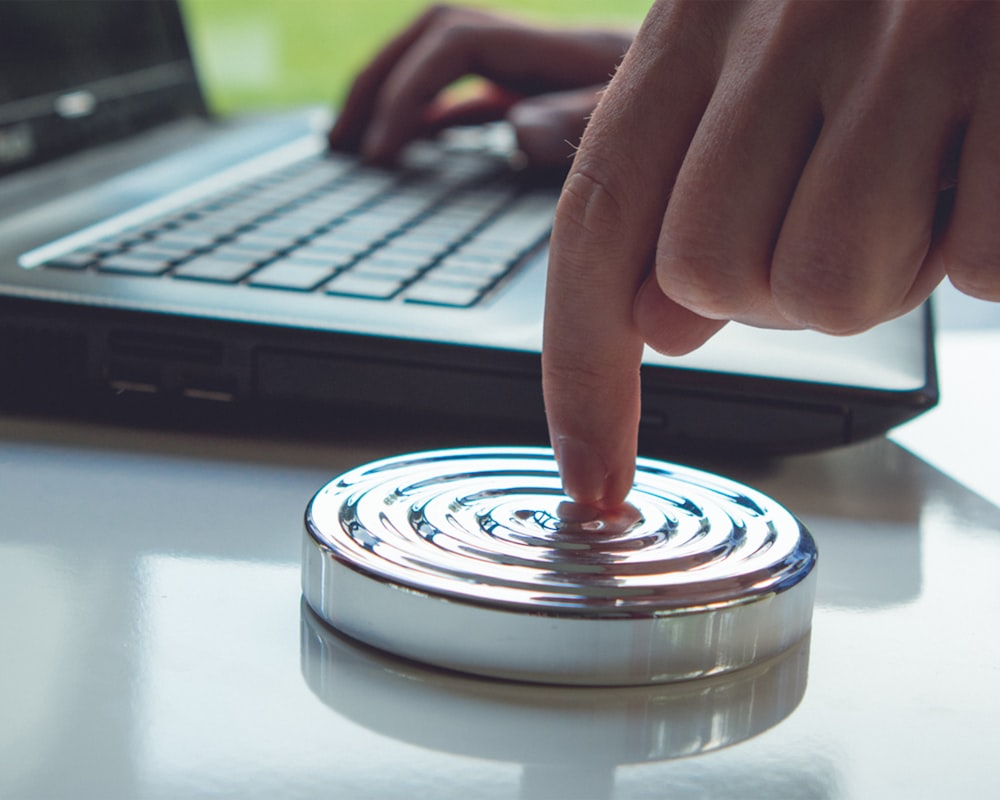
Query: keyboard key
{"x": 212, "y": 268}
{"x": 360, "y": 237}
{"x": 372, "y": 287}
{"x": 365, "y": 272}
{"x": 457, "y": 280}
{"x": 486, "y": 271}
{"x": 330, "y": 240}
{"x": 316, "y": 211}
{"x": 117, "y": 242}
{"x": 174, "y": 250}
{"x": 487, "y": 252}
{"x": 246, "y": 251}
{"x": 78, "y": 259}
{"x": 289, "y": 228}
{"x": 248, "y": 241}
{"x": 337, "y": 258}
{"x": 397, "y": 261}
{"x": 441, "y": 229}
{"x": 186, "y": 239}
{"x": 216, "y": 226}
{"x": 406, "y": 247}
{"x": 442, "y": 294}
{"x": 287, "y": 273}
{"x": 136, "y": 264}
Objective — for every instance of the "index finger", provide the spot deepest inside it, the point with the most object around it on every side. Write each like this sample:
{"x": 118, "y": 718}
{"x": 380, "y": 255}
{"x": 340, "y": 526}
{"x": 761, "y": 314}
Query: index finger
{"x": 602, "y": 248}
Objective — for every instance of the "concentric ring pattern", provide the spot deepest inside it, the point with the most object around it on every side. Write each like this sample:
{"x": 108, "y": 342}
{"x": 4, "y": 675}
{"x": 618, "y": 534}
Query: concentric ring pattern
{"x": 492, "y": 527}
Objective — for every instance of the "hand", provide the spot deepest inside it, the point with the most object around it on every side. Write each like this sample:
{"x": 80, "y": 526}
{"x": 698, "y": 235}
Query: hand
{"x": 776, "y": 163}
{"x": 544, "y": 82}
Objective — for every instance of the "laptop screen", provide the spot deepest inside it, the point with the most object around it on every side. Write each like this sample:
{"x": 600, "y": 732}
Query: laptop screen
{"x": 74, "y": 74}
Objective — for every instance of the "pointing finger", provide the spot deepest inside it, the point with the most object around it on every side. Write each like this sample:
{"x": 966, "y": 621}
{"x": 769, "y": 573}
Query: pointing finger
{"x": 603, "y": 242}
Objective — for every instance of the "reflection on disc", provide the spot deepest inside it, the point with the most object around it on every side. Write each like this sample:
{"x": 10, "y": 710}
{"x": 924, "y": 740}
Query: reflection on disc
{"x": 475, "y": 560}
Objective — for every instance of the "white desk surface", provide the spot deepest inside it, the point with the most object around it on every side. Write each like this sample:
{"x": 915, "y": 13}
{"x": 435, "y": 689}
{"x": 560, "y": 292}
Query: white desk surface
{"x": 154, "y": 644}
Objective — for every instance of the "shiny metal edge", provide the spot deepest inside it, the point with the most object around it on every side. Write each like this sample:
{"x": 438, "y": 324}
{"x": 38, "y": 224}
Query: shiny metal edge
{"x": 550, "y": 648}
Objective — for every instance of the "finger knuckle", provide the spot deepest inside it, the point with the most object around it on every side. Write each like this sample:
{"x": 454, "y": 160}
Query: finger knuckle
{"x": 977, "y": 274}
{"x": 591, "y": 207}
{"x": 458, "y": 33}
{"x": 455, "y": 23}
{"x": 438, "y": 11}
{"x": 705, "y": 282}
{"x": 829, "y": 298}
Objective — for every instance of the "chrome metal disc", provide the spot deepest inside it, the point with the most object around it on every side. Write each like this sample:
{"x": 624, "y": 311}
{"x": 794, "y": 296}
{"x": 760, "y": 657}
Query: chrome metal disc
{"x": 475, "y": 560}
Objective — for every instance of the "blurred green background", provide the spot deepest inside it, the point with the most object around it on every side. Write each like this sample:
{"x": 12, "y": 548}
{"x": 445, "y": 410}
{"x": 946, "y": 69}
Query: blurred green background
{"x": 255, "y": 54}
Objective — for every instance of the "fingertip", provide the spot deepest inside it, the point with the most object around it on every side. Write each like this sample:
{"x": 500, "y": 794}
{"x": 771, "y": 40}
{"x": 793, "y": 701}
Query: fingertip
{"x": 339, "y": 138}
{"x": 378, "y": 146}
{"x": 586, "y": 475}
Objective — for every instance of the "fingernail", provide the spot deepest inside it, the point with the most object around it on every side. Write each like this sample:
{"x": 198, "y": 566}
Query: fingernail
{"x": 584, "y": 473}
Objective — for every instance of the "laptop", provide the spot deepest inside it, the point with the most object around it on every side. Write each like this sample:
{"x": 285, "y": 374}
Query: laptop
{"x": 149, "y": 250}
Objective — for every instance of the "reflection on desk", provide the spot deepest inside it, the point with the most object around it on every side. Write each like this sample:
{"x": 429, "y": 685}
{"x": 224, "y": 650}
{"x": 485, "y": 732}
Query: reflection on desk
{"x": 550, "y": 730}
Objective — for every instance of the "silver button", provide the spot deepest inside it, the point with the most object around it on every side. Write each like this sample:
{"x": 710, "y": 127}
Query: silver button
{"x": 474, "y": 560}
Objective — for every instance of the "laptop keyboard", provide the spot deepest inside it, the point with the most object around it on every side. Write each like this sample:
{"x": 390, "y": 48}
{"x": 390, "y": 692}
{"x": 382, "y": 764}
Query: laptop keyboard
{"x": 332, "y": 225}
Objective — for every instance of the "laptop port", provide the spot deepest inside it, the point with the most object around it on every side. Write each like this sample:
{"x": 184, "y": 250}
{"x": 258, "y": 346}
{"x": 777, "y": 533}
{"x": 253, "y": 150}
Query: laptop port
{"x": 133, "y": 379}
{"x": 122, "y": 385}
{"x": 203, "y": 393}
{"x": 205, "y": 386}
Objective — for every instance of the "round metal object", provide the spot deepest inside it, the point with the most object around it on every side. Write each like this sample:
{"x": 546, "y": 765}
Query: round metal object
{"x": 474, "y": 560}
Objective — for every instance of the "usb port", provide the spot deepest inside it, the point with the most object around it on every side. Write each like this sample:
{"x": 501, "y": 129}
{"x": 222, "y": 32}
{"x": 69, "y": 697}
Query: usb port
{"x": 202, "y": 393}
{"x": 133, "y": 379}
{"x": 122, "y": 385}
{"x": 204, "y": 385}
